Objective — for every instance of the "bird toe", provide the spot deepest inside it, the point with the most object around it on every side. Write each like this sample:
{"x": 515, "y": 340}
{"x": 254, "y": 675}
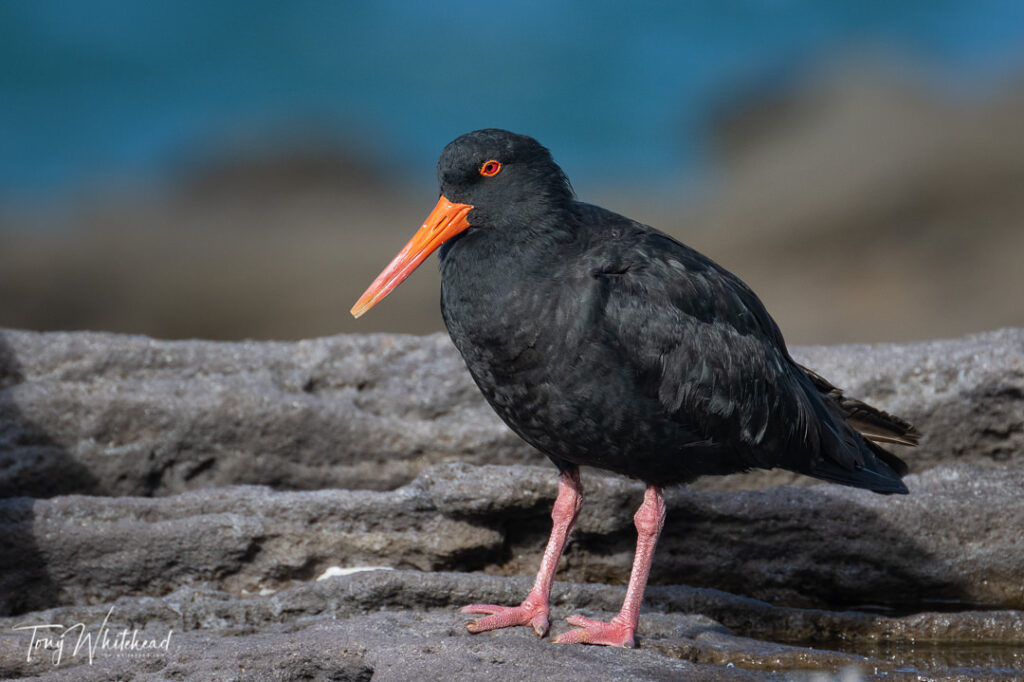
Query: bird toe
{"x": 591, "y": 631}
{"x": 496, "y": 617}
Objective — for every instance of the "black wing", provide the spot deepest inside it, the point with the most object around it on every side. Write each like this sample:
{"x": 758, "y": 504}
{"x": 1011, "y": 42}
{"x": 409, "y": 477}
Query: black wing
{"x": 703, "y": 343}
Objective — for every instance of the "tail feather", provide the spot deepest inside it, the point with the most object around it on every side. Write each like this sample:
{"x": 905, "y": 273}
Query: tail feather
{"x": 872, "y": 423}
{"x": 876, "y": 476}
{"x": 891, "y": 460}
{"x": 879, "y": 426}
{"x": 856, "y": 458}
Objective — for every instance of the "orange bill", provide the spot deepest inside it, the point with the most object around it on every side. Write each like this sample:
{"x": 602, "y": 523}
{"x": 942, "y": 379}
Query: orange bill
{"x": 443, "y": 223}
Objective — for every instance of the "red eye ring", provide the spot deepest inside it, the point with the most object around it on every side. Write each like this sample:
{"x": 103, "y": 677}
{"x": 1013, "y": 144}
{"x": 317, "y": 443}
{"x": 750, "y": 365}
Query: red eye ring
{"x": 490, "y": 168}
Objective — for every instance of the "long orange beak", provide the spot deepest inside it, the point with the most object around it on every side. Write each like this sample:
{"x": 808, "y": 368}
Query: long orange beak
{"x": 443, "y": 223}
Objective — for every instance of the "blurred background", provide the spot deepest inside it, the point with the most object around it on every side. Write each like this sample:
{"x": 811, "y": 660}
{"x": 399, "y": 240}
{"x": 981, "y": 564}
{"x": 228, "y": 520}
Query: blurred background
{"x": 243, "y": 170}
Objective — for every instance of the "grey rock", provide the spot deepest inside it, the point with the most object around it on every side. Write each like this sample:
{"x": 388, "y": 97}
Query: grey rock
{"x": 965, "y": 395}
{"x": 108, "y": 414}
{"x": 958, "y": 538}
{"x": 390, "y": 646}
{"x": 403, "y": 624}
{"x": 121, "y": 415}
{"x": 202, "y": 487}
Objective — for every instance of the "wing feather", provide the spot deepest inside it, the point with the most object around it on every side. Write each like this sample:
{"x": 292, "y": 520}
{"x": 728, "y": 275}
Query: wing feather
{"x": 703, "y": 344}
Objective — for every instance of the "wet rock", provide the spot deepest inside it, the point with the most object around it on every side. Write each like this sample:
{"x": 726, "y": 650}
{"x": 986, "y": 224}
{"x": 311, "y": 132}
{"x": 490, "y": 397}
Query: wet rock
{"x": 125, "y": 415}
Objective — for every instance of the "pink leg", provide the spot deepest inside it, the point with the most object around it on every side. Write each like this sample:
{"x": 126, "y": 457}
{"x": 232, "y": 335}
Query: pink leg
{"x": 649, "y": 519}
{"x": 534, "y": 609}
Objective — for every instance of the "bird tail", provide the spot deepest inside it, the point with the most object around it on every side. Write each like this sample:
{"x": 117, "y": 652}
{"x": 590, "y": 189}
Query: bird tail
{"x": 871, "y": 422}
{"x": 865, "y": 426}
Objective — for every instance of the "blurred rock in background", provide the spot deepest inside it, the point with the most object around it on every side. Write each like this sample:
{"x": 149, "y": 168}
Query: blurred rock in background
{"x": 202, "y": 171}
{"x": 859, "y": 206}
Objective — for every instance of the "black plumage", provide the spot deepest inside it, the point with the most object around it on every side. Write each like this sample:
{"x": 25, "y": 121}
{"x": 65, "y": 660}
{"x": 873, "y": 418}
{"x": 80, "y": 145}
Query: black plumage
{"x": 604, "y": 342}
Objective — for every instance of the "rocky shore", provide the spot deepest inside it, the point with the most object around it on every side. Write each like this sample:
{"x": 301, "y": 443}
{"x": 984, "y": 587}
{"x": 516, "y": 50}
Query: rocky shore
{"x": 320, "y": 510}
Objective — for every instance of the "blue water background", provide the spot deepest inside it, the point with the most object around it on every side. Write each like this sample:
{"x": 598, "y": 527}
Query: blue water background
{"x": 100, "y": 91}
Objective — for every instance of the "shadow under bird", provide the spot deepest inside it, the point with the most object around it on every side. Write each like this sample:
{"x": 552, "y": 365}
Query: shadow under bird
{"x": 604, "y": 342}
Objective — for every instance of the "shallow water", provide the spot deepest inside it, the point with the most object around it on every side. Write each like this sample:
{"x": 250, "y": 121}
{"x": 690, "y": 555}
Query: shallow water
{"x": 972, "y": 659}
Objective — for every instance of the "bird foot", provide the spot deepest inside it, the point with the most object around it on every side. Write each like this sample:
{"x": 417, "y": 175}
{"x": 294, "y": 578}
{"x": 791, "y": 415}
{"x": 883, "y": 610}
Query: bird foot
{"x": 615, "y": 633}
{"x": 507, "y": 616}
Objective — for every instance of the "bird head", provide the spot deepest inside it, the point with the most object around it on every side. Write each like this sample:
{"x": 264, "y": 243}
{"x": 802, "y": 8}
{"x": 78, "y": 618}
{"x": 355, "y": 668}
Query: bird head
{"x": 489, "y": 179}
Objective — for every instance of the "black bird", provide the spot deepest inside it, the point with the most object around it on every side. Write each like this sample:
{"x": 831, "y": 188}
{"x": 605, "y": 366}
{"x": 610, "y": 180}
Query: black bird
{"x": 604, "y": 342}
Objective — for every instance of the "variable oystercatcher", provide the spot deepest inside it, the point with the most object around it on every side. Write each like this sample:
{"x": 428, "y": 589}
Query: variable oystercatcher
{"x": 604, "y": 342}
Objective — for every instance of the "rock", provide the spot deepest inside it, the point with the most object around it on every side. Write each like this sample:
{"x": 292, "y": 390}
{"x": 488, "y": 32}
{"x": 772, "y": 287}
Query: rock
{"x": 202, "y": 488}
{"x": 966, "y": 396}
{"x": 392, "y": 646}
{"x": 958, "y": 538}
{"x": 403, "y": 624}
{"x": 858, "y": 200}
{"x": 123, "y": 415}
{"x": 844, "y": 197}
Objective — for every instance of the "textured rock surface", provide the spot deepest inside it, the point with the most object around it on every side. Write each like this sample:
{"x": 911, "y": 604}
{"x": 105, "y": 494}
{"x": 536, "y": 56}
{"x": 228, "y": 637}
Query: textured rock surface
{"x": 378, "y": 451}
{"x": 122, "y": 415}
{"x": 958, "y": 538}
{"x": 401, "y": 625}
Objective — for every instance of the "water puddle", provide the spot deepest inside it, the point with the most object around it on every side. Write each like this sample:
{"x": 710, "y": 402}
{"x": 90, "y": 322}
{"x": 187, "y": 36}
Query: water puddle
{"x": 974, "y": 659}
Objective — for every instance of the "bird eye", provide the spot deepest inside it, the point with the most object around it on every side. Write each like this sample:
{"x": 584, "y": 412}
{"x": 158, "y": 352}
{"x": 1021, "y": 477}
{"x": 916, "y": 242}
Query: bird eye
{"x": 490, "y": 168}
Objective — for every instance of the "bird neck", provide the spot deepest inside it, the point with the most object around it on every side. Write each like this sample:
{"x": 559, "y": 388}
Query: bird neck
{"x": 526, "y": 241}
